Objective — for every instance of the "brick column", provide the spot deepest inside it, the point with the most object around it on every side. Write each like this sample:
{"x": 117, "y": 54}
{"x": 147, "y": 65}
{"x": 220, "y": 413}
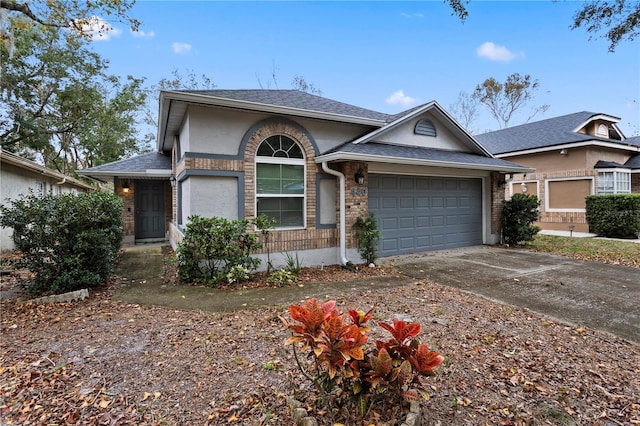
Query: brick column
{"x": 356, "y": 197}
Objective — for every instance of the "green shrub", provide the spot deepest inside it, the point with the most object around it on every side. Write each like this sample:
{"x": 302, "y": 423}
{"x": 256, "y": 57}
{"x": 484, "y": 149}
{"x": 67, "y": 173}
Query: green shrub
{"x": 293, "y": 264}
{"x": 282, "y": 277}
{"x": 615, "y": 215}
{"x": 213, "y": 246}
{"x": 68, "y": 241}
{"x": 519, "y": 214}
{"x": 238, "y": 274}
{"x": 367, "y": 236}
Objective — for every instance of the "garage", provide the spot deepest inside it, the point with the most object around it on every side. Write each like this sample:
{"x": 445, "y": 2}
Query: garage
{"x": 422, "y": 213}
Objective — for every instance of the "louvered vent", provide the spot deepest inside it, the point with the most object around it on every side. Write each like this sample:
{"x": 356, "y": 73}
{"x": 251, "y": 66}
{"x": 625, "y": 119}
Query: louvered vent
{"x": 425, "y": 127}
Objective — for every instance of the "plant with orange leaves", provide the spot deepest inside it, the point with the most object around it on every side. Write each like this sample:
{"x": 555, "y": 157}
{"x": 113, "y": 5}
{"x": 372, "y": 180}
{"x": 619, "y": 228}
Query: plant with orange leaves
{"x": 339, "y": 365}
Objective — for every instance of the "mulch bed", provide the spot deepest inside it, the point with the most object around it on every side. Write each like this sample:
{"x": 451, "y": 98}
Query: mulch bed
{"x": 101, "y": 361}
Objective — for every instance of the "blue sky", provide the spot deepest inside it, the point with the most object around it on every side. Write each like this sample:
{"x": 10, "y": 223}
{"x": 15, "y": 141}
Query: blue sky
{"x": 385, "y": 56}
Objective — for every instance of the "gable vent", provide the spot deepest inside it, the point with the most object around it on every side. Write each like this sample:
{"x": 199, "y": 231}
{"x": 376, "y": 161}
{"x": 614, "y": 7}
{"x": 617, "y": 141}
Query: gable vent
{"x": 425, "y": 127}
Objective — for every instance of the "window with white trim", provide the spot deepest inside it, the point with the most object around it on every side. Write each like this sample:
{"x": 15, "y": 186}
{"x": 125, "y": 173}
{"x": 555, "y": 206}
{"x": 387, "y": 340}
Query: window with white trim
{"x": 614, "y": 182}
{"x": 280, "y": 181}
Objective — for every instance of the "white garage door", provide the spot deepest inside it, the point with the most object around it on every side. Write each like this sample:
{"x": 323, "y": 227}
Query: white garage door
{"x": 426, "y": 213}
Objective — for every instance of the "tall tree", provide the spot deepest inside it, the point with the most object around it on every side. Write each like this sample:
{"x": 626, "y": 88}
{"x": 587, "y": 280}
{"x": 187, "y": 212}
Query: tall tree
{"x": 79, "y": 15}
{"x": 503, "y": 100}
{"x": 618, "y": 19}
{"x": 465, "y": 111}
{"x": 57, "y": 101}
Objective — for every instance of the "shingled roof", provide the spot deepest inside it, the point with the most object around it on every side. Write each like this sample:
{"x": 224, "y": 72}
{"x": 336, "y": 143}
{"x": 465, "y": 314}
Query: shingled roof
{"x": 151, "y": 164}
{"x": 296, "y": 99}
{"x": 544, "y": 133}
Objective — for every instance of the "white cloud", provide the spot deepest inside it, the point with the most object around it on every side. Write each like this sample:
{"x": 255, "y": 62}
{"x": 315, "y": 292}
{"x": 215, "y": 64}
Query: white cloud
{"x": 399, "y": 98}
{"x": 180, "y": 47}
{"x": 412, "y": 15}
{"x": 493, "y": 52}
{"x": 99, "y": 29}
{"x": 143, "y": 34}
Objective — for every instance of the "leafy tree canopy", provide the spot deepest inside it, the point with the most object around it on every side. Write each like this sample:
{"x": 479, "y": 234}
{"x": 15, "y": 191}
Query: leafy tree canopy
{"x": 618, "y": 19}
{"x": 79, "y": 15}
{"x": 58, "y": 101}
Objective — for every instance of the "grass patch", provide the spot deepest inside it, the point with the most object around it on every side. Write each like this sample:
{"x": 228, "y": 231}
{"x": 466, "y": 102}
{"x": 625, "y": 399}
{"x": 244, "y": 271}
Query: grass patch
{"x": 595, "y": 249}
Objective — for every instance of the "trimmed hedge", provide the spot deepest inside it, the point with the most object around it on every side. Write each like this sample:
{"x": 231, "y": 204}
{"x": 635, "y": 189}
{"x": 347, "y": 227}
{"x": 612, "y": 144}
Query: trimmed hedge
{"x": 615, "y": 215}
{"x": 69, "y": 242}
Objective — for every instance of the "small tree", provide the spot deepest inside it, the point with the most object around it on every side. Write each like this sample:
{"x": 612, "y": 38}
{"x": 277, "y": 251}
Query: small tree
{"x": 367, "y": 236}
{"x": 68, "y": 241}
{"x": 519, "y": 213}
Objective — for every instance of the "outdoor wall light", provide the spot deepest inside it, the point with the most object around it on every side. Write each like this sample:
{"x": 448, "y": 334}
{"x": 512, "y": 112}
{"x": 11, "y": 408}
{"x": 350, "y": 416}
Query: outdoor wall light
{"x": 172, "y": 181}
{"x": 523, "y": 187}
{"x": 359, "y": 177}
{"x": 125, "y": 186}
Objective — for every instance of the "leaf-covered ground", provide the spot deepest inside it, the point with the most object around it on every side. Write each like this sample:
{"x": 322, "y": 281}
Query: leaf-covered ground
{"x": 105, "y": 362}
{"x": 615, "y": 252}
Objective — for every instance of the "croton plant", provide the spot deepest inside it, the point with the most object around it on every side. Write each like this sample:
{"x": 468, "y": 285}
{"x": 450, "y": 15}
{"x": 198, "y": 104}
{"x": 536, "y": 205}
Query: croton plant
{"x": 335, "y": 346}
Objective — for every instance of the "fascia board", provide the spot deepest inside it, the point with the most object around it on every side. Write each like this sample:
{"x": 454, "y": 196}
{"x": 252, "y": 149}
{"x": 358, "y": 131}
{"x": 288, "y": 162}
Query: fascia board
{"x": 149, "y": 173}
{"x": 631, "y": 148}
{"x": 341, "y": 156}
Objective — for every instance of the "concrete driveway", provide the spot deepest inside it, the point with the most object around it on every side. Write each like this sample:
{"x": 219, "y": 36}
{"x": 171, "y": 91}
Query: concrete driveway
{"x": 589, "y": 294}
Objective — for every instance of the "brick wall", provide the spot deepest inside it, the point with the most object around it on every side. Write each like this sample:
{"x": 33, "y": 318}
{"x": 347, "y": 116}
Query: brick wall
{"x": 497, "y": 197}
{"x": 356, "y": 197}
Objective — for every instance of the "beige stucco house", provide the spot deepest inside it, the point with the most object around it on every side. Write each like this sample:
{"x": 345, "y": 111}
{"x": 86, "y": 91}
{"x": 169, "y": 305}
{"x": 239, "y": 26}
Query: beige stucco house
{"x": 19, "y": 176}
{"x": 315, "y": 165}
{"x": 573, "y": 156}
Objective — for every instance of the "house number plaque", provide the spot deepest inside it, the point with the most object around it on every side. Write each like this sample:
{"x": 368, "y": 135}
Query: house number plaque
{"x": 358, "y": 192}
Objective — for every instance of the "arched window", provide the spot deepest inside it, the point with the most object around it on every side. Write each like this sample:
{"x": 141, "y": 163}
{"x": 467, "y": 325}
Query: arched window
{"x": 280, "y": 181}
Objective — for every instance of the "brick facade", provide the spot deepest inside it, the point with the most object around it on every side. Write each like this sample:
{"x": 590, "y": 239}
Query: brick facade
{"x": 497, "y": 197}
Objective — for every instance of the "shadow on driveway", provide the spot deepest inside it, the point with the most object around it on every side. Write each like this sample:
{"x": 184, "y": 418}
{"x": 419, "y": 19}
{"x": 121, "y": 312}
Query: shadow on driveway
{"x": 590, "y": 294}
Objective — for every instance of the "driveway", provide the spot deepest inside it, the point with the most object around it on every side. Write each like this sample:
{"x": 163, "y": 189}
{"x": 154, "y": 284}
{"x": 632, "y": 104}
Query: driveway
{"x": 588, "y": 294}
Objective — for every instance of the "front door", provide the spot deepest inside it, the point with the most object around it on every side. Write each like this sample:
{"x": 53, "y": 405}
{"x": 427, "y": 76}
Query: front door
{"x": 149, "y": 201}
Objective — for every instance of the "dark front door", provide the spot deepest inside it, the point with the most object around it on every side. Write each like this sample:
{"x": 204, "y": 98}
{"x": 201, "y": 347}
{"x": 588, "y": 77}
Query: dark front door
{"x": 149, "y": 199}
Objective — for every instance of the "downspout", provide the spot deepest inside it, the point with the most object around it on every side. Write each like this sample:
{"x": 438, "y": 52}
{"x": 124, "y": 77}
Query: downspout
{"x": 343, "y": 244}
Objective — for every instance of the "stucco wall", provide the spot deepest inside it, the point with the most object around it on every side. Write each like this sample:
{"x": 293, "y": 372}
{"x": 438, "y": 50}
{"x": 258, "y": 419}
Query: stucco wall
{"x": 209, "y": 130}
{"x": 15, "y": 181}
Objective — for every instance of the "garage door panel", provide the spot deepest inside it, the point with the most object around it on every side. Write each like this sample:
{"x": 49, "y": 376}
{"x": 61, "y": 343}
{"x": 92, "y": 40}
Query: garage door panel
{"x": 389, "y": 223}
{"x": 406, "y": 223}
{"x": 406, "y": 202}
{"x": 426, "y": 213}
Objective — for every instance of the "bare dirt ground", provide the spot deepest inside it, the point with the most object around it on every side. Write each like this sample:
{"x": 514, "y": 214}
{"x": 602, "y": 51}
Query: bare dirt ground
{"x": 101, "y": 361}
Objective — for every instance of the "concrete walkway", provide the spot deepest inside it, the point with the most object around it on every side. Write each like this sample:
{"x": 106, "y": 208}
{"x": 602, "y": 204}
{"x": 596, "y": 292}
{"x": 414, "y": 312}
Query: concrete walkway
{"x": 142, "y": 266}
{"x": 595, "y": 295}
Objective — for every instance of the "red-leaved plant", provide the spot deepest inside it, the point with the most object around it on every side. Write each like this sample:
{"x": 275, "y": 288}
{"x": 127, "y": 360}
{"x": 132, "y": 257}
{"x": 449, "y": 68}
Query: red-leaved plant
{"x": 336, "y": 351}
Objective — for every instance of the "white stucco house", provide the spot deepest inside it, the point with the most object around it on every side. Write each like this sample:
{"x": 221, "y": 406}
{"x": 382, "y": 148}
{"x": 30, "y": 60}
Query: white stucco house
{"x": 19, "y": 176}
{"x": 315, "y": 165}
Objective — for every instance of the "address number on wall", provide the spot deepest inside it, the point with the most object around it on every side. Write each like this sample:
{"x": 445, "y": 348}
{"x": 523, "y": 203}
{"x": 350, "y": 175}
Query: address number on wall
{"x": 358, "y": 192}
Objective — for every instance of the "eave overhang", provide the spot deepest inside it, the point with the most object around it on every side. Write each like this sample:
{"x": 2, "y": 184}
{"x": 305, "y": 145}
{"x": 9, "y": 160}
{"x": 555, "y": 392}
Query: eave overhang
{"x": 371, "y": 158}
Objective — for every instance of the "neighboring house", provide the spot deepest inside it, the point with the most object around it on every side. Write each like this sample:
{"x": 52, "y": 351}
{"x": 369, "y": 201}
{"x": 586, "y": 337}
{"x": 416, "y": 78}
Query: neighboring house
{"x": 573, "y": 156}
{"x": 315, "y": 165}
{"x": 18, "y": 176}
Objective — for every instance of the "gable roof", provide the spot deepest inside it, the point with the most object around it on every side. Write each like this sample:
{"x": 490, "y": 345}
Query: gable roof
{"x": 434, "y": 108}
{"x": 148, "y": 165}
{"x": 550, "y": 133}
